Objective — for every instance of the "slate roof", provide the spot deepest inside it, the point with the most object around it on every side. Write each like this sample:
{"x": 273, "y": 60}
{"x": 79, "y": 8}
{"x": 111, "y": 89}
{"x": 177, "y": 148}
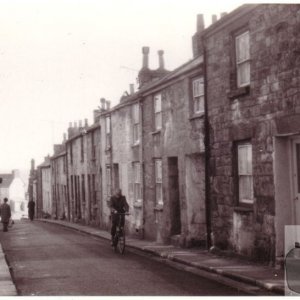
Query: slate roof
{"x": 6, "y": 180}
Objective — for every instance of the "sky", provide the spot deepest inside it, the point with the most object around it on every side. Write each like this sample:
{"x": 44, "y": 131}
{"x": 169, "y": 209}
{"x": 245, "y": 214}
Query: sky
{"x": 59, "y": 57}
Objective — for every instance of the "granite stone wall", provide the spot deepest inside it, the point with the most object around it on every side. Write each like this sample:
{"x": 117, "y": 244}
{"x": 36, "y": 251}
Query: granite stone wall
{"x": 269, "y": 106}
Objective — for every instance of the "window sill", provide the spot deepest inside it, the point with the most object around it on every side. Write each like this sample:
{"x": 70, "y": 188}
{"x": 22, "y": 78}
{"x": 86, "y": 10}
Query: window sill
{"x": 197, "y": 116}
{"x": 156, "y": 132}
{"x": 244, "y": 209}
{"x": 138, "y": 204}
{"x": 135, "y": 145}
{"x": 159, "y": 207}
{"x": 238, "y": 92}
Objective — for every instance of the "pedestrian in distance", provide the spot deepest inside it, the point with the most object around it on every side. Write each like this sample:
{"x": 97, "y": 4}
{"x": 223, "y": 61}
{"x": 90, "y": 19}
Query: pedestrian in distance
{"x": 5, "y": 213}
{"x": 31, "y": 208}
{"x": 118, "y": 204}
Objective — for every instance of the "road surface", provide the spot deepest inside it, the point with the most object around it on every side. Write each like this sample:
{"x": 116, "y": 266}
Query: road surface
{"x": 51, "y": 260}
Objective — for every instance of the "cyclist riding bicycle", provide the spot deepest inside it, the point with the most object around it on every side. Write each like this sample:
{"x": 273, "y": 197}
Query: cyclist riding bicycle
{"x": 118, "y": 204}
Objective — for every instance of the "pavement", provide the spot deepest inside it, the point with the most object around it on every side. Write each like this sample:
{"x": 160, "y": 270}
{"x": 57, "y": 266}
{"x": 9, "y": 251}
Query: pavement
{"x": 7, "y": 286}
{"x": 253, "y": 278}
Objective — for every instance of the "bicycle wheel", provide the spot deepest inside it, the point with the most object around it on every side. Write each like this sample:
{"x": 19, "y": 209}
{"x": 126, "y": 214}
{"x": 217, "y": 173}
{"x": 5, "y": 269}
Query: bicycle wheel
{"x": 115, "y": 242}
{"x": 121, "y": 243}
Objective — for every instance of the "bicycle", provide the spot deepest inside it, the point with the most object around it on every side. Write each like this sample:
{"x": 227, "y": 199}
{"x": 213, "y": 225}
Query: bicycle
{"x": 119, "y": 237}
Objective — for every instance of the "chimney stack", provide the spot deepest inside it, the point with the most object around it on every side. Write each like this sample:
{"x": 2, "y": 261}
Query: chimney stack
{"x": 161, "y": 59}
{"x": 223, "y": 14}
{"x": 102, "y": 100}
{"x": 32, "y": 164}
{"x": 131, "y": 88}
{"x": 200, "y": 22}
{"x": 64, "y": 138}
{"x": 86, "y": 123}
{"x": 75, "y": 124}
{"x": 214, "y": 19}
{"x": 108, "y": 105}
{"x": 80, "y": 123}
{"x": 145, "y": 51}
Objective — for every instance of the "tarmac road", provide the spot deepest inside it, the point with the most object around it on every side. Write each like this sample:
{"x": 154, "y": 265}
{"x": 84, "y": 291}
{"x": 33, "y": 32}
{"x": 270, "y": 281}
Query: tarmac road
{"x": 51, "y": 260}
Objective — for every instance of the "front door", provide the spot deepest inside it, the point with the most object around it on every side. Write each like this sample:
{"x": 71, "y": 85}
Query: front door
{"x": 296, "y": 179}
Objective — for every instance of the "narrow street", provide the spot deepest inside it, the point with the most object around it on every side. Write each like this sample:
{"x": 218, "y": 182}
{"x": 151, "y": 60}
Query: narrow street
{"x": 51, "y": 260}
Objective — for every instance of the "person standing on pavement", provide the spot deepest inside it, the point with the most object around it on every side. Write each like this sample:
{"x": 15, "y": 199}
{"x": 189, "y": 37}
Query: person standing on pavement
{"x": 5, "y": 213}
{"x": 31, "y": 208}
{"x": 118, "y": 204}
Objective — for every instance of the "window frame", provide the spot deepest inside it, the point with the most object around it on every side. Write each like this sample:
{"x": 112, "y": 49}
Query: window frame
{"x": 200, "y": 97}
{"x": 136, "y": 124}
{"x": 242, "y": 62}
{"x": 108, "y": 180}
{"x": 108, "y": 132}
{"x": 136, "y": 180}
{"x": 248, "y": 173}
{"x": 158, "y": 182}
{"x": 157, "y": 112}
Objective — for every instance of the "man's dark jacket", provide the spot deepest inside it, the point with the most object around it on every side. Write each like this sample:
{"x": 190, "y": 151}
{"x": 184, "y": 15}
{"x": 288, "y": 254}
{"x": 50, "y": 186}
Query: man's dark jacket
{"x": 119, "y": 204}
{"x": 5, "y": 213}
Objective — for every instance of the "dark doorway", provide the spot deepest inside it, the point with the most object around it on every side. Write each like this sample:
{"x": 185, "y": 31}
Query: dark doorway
{"x": 174, "y": 195}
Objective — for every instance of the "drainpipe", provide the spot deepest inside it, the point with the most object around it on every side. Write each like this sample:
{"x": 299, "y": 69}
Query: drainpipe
{"x": 207, "y": 153}
{"x": 142, "y": 164}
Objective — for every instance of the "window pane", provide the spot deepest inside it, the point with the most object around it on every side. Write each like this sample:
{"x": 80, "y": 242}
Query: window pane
{"x": 135, "y": 113}
{"x": 199, "y": 104}
{"x": 243, "y": 73}
{"x": 246, "y": 189}
{"x": 159, "y": 193}
{"x": 157, "y": 103}
{"x": 136, "y": 133}
{"x": 198, "y": 87}
{"x": 242, "y": 47}
{"x": 245, "y": 159}
{"x": 136, "y": 172}
{"x": 107, "y": 124}
{"x": 158, "y": 120}
{"x": 158, "y": 170}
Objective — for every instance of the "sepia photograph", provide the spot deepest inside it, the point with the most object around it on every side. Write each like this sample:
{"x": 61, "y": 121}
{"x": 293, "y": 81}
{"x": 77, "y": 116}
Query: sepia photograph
{"x": 149, "y": 148}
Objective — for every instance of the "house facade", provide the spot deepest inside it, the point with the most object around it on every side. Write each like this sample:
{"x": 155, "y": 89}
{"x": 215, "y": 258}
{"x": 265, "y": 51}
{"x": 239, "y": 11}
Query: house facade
{"x": 174, "y": 156}
{"x": 60, "y": 200}
{"x": 12, "y": 187}
{"x": 253, "y": 99}
{"x": 84, "y": 172}
{"x": 45, "y": 190}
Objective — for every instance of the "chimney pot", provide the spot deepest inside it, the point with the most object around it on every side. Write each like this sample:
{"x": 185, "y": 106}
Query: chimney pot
{"x": 32, "y": 164}
{"x": 145, "y": 51}
{"x": 131, "y": 88}
{"x": 102, "y": 100}
{"x": 161, "y": 59}
{"x": 214, "y": 19}
{"x": 200, "y": 22}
